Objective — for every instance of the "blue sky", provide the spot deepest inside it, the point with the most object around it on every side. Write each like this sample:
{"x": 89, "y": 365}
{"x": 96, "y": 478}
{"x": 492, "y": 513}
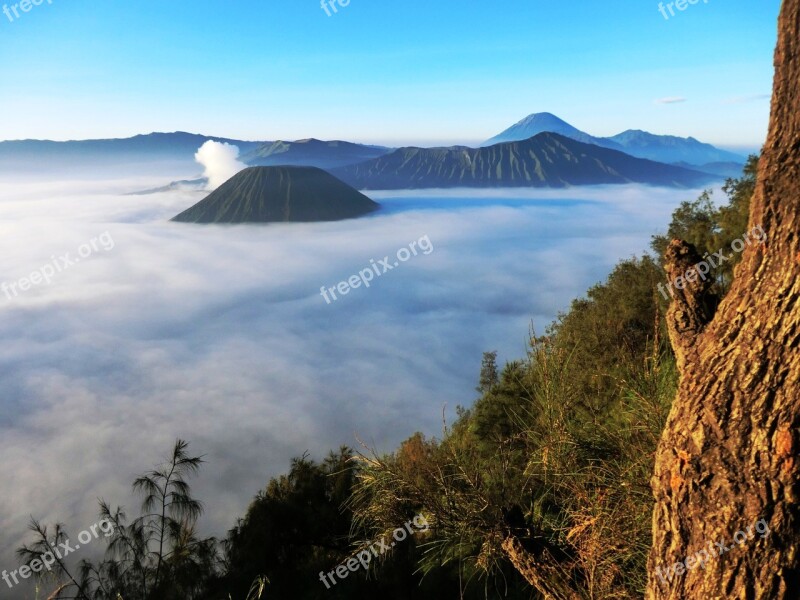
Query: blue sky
{"x": 411, "y": 71}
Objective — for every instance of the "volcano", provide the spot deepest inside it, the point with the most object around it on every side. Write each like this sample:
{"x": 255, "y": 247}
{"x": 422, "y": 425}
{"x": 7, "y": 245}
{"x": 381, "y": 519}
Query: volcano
{"x": 280, "y": 195}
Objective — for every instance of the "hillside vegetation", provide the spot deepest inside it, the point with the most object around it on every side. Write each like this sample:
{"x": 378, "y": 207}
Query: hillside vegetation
{"x": 539, "y": 488}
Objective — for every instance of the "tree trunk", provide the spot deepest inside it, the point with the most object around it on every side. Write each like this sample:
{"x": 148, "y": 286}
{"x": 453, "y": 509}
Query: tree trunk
{"x": 728, "y": 459}
{"x": 549, "y": 577}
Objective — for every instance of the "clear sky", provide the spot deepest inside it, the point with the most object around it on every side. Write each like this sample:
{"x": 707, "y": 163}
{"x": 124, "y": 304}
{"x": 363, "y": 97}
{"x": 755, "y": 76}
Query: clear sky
{"x": 410, "y": 71}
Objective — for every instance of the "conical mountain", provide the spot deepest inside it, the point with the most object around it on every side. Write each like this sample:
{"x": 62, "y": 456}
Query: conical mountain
{"x": 279, "y": 194}
{"x": 545, "y": 122}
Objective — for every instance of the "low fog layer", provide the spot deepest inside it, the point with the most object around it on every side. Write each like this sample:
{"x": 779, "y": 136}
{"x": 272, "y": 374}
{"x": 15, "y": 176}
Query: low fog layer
{"x": 220, "y": 335}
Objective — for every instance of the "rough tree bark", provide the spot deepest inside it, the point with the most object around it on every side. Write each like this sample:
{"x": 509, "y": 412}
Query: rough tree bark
{"x": 550, "y": 577}
{"x": 729, "y": 455}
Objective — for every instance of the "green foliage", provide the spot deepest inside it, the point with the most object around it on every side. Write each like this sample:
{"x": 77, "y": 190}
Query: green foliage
{"x": 494, "y": 414}
{"x": 440, "y": 481}
{"x": 556, "y": 453}
{"x": 489, "y": 375}
{"x": 158, "y": 556}
{"x": 693, "y": 221}
{"x": 710, "y": 228}
{"x": 300, "y": 526}
{"x": 294, "y": 529}
{"x": 535, "y": 458}
{"x": 609, "y": 329}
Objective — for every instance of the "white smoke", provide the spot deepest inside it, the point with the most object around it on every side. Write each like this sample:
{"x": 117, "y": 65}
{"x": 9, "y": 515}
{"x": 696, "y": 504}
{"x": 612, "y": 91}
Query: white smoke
{"x": 221, "y": 162}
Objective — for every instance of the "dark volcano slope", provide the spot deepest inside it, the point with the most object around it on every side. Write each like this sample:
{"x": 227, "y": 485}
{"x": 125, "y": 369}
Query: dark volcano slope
{"x": 279, "y": 194}
{"x": 545, "y": 160}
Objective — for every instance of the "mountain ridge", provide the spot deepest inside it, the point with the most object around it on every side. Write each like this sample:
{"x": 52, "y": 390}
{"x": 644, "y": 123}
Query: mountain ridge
{"x": 181, "y": 146}
{"x": 312, "y": 152}
{"x": 672, "y": 148}
{"x": 636, "y": 142}
{"x": 545, "y": 160}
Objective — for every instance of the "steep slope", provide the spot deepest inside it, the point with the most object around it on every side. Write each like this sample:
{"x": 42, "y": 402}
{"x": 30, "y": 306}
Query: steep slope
{"x": 279, "y": 194}
{"x": 546, "y": 160}
{"x": 312, "y": 153}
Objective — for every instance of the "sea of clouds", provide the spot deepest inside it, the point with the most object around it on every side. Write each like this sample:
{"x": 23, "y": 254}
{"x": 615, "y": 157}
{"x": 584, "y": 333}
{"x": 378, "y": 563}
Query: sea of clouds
{"x": 219, "y": 335}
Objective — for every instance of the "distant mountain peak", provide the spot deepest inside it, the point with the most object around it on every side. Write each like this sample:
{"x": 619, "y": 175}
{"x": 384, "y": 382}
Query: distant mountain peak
{"x": 544, "y": 118}
{"x": 545, "y": 122}
{"x": 636, "y": 142}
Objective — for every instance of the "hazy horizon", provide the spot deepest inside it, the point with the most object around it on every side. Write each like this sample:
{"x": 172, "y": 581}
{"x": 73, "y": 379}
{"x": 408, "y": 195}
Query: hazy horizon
{"x": 744, "y": 150}
{"x": 387, "y": 73}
